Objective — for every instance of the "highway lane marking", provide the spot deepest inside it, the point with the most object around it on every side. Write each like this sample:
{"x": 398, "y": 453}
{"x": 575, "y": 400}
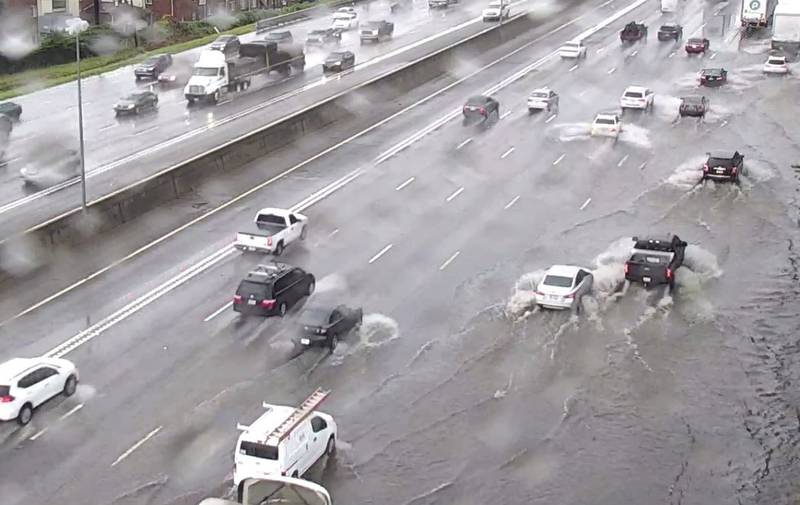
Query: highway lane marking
{"x": 510, "y": 150}
{"x": 505, "y": 114}
{"x": 558, "y": 160}
{"x": 644, "y": 164}
{"x": 106, "y": 127}
{"x": 586, "y": 203}
{"x": 455, "y": 194}
{"x": 334, "y": 232}
{"x": 634, "y": 53}
{"x": 612, "y": 70}
{"x": 72, "y": 411}
{"x": 511, "y": 203}
{"x": 38, "y": 434}
{"x": 449, "y": 260}
{"x": 136, "y": 446}
{"x": 573, "y": 67}
{"x": 723, "y": 123}
{"x": 671, "y": 54}
{"x": 459, "y": 146}
{"x": 408, "y": 181}
{"x": 217, "y": 312}
{"x": 552, "y": 117}
{"x": 380, "y": 253}
{"x": 622, "y": 161}
{"x": 146, "y": 130}
{"x": 712, "y": 56}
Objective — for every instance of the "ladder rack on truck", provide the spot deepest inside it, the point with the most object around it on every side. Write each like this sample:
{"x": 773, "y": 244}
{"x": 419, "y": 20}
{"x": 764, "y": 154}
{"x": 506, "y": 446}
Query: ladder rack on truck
{"x": 304, "y": 410}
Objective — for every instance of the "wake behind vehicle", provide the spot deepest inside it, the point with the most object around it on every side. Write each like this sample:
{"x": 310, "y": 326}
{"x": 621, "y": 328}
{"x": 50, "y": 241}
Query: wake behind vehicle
{"x": 375, "y": 31}
{"x": 136, "y": 103}
{"x": 653, "y": 261}
{"x": 11, "y": 110}
{"x": 693, "y": 106}
{"x": 563, "y": 287}
{"x": 543, "y": 99}
{"x": 572, "y": 50}
{"x": 153, "y": 66}
{"x": 723, "y": 166}
{"x": 50, "y": 168}
{"x": 497, "y": 10}
{"x": 325, "y": 324}
{"x": 712, "y": 77}
{"x": 339, "y": 61}
{"x": 480, "y": 109}
{"x": 272, "y": 289}
{"x": 633, "y": 32}
{"x": 25, "y": 384}
{"x": 697, "y": 46}
{"x": 272, "y": 231}
{"x": 670, "y": 31}
{"x": 319, "y": 38}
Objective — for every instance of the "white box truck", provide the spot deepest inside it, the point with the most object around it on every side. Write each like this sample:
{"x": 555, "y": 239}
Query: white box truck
{"x": 757, "y": 13}
{"x": 786, "y": 26}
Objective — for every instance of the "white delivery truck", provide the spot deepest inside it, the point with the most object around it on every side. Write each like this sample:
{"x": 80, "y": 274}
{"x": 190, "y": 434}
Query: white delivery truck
{"x": 284, "y": 441}
{"x": 786, "y": 26}
{"x": 277, "y": 490}
{"x": 757, "y": 13}
{"x": 669, "y": 5}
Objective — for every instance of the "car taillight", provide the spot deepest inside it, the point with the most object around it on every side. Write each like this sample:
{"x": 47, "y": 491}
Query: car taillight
{"x": 705, "y": 167}
{"x": 482, "y": 110}
{"x": 669, "y": 273}
{"x": 269, "y": 240}
{"x": 733, "y": 170}
{"x": 267, "y": 304}
{"x": 626, "y": 267}
{"x": 237, "y": 298}
{"x": 6, "y": 399}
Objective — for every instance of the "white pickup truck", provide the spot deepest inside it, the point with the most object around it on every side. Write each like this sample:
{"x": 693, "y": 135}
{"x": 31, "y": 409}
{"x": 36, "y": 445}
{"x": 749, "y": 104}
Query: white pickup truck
{"x": 273, "y": 230}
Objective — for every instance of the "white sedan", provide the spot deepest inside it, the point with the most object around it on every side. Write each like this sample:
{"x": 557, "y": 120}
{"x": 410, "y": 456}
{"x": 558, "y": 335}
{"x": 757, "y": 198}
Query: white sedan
{"x": 572, "y": 50}
{"x": 497, "y": 11}
{"x": 563, "y": 287}
{"x": 27, "y": 383}
{"x": 606, "y": 124}
{"x": 345, "y": 21}
{"x": 776, "y": 65}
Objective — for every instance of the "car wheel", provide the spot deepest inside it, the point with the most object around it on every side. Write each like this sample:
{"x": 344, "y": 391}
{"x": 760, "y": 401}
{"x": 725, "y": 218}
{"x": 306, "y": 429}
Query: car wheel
{"x": 311, "y": 286}
{"x": 333, "y": 342}
{"x": 330, "y": 450}
{"x": 279, "y": 249}
{"x": 296, "y": 475}
{"x": 282, "y": 309}
{"x": 70, "y": 386}
{"x": 216, "y": 96}
{"x": 303, "y": 233}
{"x": 25, "y": 414}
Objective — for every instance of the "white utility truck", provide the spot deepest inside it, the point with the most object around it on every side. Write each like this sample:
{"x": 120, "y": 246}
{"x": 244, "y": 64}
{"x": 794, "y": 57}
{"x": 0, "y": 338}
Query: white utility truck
{"x": 757, "y": 13}
{"x": 272, "y": 231}
{"x": 786, "y": 26}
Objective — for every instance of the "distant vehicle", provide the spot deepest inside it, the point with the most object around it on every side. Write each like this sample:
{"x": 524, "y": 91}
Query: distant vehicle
{"x": 713, "y": 77}
{"x": 215, "y": 75}
{"x": 51, "y": 168}
{"x": 276, "y": 489}
{"x": 11, "y": 110}
{"x": 757, "y": 13}
{"x": 572, "y": 49}
{"x": 345, "y": 21}
{"x": 227, "y": 45}
{"x": 153, "y": 66}
{"x": 653, "y": 261}
{"x": 376, "y": 30}
{"x": 325, "y": 324}
{"x": 323, "y": 37}
{"x": 6, "y": 126}
{"x": 606, "y": 124}
{"x": 272, "y": 231}
{"x": 136, "y": 103}
{"x": 497, "y": 10}
{"x": 350, "y": 10}
{"x": 280, "y": 37}
{"x": 284, "y": 441}
{"x": 670, "y": 31}
{"x": 271, "y": 289}
{"x": 776, "y": 65}
{"x": 693, "y": 106}
{"x": 669, "y": 5}
{"x": 563, "y": 287}
{"x": 786, "y": 27}
{"x": 633, "y": 32}
{"x": 481, "y": 109}
{"x": 441, "y": 4}
{"x": 723, "y": 165}
{"x": 543, "y": 99}
{"x": 339, "y": 61}
{"x": 28, "y": 383}
{"x": 696, "y": 46}
{"x": 637, "y": 97}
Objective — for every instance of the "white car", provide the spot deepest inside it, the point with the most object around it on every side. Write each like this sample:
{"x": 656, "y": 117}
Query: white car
{"x": 497, "y": 10}
{"x": 572, "y": 49}
{"x": 563, "y": 287}
{"x": 272, "y": 231}
{"x": 345, "y": 21}
{"x": 543, "y": 99}
{"x": 637, "y": 97}
{"x": 606, "y": 124}
{"x": 26, "y": 383}
{"x": 776, "y": 65}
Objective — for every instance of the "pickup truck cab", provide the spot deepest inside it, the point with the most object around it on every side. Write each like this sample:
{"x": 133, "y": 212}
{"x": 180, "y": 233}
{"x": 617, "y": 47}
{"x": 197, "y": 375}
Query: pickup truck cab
{"x": 653, "y": 261}
{"x": 272, "y": 231}
{"x": 633, "y": 32}
{"x": 374, "y": 31}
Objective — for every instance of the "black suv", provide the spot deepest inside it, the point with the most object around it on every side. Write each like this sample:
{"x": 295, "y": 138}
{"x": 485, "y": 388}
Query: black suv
{"x": 654, "y": 260}
{"x": 724, "y": 165}
{"x": 11, "y": 110}
{"x": 670, "y": 31}
{"x": 270, "y": 290}
{"x": 153, "y": 66}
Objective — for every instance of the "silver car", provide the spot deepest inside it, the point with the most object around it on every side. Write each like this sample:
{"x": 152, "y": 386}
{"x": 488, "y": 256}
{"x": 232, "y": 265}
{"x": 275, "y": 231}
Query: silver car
{"x": 51, "y": 169}
{"x": 563, "y": 287}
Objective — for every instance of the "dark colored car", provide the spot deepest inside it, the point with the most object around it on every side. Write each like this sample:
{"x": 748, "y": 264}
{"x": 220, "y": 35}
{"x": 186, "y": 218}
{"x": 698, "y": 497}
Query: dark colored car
{"x": 11, "y": 110}
{"x": 670, "y": 31}
{"x": 713, "y": 76}
{"x": 270, "y": 290}
{"x": 152, "y": 67}
{"x": 136, "y": 103}
{"x": 376, "y": 30}
{"x": 323, "y": 37}
{"x": 723, "y": 165}
{"x": 479, "y": 109}
{"x": 696, "y": 46}
{"x": 654, "y": 261}
{"x": 280, "y": 37}
{"x": 693, "y": 106}
{"x": 633, "y": 32}
{"x": 323, "y": 324}
{"x": 227, "y": 44}
{"x": 338, "y": 61}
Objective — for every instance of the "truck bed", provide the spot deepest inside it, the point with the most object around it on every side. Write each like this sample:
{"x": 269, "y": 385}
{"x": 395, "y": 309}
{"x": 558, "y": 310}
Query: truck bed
{"x": 649, "y": 268}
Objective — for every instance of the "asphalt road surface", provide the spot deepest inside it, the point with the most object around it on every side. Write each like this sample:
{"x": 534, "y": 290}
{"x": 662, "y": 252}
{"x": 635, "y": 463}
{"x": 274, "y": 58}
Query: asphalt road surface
{"x": 456, "y": 390}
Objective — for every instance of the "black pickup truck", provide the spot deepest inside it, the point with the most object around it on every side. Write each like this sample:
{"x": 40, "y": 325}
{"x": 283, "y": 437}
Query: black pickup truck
{"x": 654, "y": 261}
{"x": 633, "y": 32}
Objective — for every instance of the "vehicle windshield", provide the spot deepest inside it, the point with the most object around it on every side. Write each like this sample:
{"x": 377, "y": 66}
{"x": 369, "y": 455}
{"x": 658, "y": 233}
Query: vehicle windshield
{"x": 669, "y": 28}
{"x": 539, "y": 94}
{"x": 255, "y": 289}
{"x": 278, "y": 35}
{"x": 558, "y": 281}
{"x": 205, "y": 72}
{"x": 692, "y": 100}
{"x": 343, "y": 16}
{"x": 151, "y": 61}
{"x": 315, "y": 316}
{"x": 605, "y": 120}
{"x": 634, "y": 94}
{"x": 712, "y": 71}
{"x": 257, "y": 450}
{"x": 317, "y": 33}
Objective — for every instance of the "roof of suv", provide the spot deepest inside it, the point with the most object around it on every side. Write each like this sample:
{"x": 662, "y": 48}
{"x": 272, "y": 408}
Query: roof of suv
{"x": 267, "y": 273}
{"x": 15, "y": 366}
{"x": 636, "y": 89}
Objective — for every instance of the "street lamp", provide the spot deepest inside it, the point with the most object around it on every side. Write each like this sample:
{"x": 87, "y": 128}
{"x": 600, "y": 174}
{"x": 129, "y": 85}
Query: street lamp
{"x": 74, "y": 27}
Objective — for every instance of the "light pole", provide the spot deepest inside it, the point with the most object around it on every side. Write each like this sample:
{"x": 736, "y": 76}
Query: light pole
{"x": 75, "y": 27}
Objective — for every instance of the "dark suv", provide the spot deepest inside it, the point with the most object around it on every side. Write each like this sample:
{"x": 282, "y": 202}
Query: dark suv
{"x": 723, "y": 165}
{"x": 270, "y": 290}
{"x": 152, "y": 67}
{"x": 670, "y": 31}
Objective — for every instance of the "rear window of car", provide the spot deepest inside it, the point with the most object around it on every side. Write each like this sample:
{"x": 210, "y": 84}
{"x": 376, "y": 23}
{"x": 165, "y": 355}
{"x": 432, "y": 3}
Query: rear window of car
{"x": 695, "y": 41}
{"x": 476, "y": 100}
{"x": 604, "y": 120}
{"x": 257, "y": 450}
{"x": 712, "y": 71}
{"x": 634, "y": 94}
{"x": 776, "y": 61}
{"x": 372, "y": 24}
{"x": 719, "y": 162}
{"x": 692, "y": 100}
{"x": 270, "y": 220}
{"x": 558, "y": 280}
{"x": 256, "y": 289}
{"x": 540, "y": 94}
{"x": 571, "y": 45}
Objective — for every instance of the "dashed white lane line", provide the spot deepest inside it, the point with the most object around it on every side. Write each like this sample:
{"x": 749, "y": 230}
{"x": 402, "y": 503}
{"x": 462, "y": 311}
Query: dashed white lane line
{"x": 74, "y": 409}
{"x": 671, "y": 54}
{"x": 510, "y": 150}
{"x": 573, "y": 67}
{"x": 459, "y": 146}
{"x": 644, "y": 164}
{"x": 622, "y": 161}
{"x": 635, "y": 52}
{"x": 217, "y": 312}
{"x": 558, "y": 160}
{"x": 455, "y": 193}
{"x": 334, "y": 232}
{"x": 146, "y": 130}
{"x": 408, "y": 181}
{"x": 449, "y": 260}
{"x": 586, "y": 203}
{"x": 505, "y": 114}
{"x": 713, "y": 55}
{"x": 106, "y": 127}
{"x": 136, "y": 446}
{"x": 512, "y": 202}
{"x": 723, "y": 123}
{"x": 552, "y": 117}
{"x": 39, "y": 434}
{"x": 380, "y": 253}
{"x": 611, "y": 70}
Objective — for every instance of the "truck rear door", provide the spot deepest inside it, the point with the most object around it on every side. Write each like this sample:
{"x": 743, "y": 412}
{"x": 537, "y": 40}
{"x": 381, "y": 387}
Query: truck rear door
{"x": 648, "y": 268}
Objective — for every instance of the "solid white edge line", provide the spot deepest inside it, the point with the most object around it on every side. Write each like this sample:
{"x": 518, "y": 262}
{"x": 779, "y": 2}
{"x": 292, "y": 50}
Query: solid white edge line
{"x": 455, "y": 193}
{"x": 217, "y": 312}
{"x": 380, "y": 253}
{"x": 512, "y": 202}
{"x": 136, "y": 446}
{"x": 74, "y": 409}
{"x": 406, "y": 183}
{"x": 449, "y": 260}
{"x": 558, "y": 160}
{"x": 586, "y": 203}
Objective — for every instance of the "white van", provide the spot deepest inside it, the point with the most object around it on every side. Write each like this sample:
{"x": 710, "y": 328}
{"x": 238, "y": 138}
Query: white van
{"x": 285, "y": 440}
{"x": 669, "y": 5}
